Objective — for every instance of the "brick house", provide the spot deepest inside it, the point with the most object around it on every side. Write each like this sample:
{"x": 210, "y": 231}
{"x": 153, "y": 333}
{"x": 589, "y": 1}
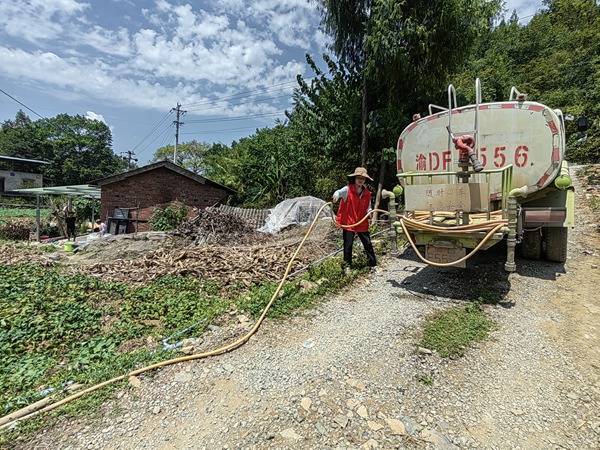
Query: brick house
{"x": 128, "y": 199}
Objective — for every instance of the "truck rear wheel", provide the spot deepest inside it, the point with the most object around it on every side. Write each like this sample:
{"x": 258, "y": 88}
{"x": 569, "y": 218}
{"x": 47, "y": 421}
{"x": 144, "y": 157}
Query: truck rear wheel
{"x": 556, "y": 244}
{"x": 531, "y": 246}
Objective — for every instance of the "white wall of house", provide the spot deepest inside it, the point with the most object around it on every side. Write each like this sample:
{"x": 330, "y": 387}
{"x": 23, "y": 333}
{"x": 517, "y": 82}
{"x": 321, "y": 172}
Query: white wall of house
{"x": 11, "y": 180}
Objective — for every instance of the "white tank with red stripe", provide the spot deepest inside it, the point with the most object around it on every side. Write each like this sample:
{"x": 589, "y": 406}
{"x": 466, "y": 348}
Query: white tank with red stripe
{"x": 528, "y": 135}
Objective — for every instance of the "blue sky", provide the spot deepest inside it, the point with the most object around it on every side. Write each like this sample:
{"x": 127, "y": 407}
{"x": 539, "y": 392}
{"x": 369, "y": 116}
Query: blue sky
{"x": 231, "y": 64}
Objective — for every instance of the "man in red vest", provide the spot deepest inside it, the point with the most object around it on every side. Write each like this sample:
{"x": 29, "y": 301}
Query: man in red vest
{"x": 356, "y": 203}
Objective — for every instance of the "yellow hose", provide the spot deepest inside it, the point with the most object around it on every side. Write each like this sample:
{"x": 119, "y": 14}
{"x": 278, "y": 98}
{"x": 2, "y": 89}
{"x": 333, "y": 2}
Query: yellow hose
{"x": 418, "y": 224}
{"x": 218, "y": 351}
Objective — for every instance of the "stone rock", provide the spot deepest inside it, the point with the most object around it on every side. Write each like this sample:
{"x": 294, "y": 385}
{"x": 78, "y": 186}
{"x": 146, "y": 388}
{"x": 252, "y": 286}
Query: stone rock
{"x": 356, "y": 384}
{"x": 396, "y": 426}
{"x": 289, "y": 433}
{"x": 135, "y": 381}
{"x": 342, "y": 421}
{"x": 362, "y": 411}
{"x": 191, "y": 342}
{"x": 321, "y": 428}
{"x": 183, "y": 377}
{"x": 371, "y": 443}
{"x": 374, "y": 425}
{"x": 188, "y": 350}
{"x": 352, "y": 403}
{"x": 156, "y": 410}
{"x": 243, "y": 319}
{"x": 440, "y": 441}
{"x": 411, "y": 425}
{"x": 306, "y": 285}
{"x": 306, "y": 403}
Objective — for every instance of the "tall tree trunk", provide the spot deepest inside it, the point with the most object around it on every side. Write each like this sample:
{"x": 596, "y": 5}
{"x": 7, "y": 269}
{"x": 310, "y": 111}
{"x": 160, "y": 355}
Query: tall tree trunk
{"x": 364, "y": 143}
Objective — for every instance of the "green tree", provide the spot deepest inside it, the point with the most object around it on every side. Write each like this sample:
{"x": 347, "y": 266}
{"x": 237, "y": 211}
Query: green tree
{"x": 326, "y": 124}
{"x": 224, "y": 165}
{"x": 190, "y": 155}
{"x": 402, "y": 50}
{"x": 271, "y": 167}
{"x": 18, "y": 139}
{"x": 555, "y": 59}
{"x": 78, "y": 148}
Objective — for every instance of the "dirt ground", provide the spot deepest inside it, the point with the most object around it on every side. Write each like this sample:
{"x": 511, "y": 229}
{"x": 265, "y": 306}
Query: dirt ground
{"x": 576, "y": 297}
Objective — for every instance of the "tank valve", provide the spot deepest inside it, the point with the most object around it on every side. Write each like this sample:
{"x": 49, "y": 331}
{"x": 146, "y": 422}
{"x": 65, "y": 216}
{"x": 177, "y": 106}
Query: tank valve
{"x": 465, "y": 145}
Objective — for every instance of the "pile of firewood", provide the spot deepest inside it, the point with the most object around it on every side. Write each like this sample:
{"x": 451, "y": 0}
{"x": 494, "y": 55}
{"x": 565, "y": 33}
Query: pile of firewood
{"x": 228, "y": 265}
{"x": 212, "y": 226}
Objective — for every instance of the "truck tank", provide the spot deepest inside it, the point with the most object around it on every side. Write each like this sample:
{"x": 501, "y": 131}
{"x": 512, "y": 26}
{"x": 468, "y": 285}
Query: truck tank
{"x": 486, "y": 163}
{"x": 528, "y": 135}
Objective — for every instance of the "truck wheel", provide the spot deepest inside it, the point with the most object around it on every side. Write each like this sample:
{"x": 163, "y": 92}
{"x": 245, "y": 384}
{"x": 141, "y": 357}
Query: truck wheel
{"x": 556, "y": 244}
{"x": 531, "y": 246}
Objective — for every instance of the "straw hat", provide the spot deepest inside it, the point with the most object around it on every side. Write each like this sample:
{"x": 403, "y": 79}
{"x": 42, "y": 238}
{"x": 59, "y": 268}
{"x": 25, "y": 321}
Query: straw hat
{"x": 360, "y": 172}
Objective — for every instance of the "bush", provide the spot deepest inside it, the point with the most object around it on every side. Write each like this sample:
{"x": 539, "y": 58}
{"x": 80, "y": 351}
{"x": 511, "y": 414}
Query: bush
{"x": 168, "y": 218}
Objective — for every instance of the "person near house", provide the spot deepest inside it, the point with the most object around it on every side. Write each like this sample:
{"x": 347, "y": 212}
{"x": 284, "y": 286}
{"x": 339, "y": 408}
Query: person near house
{"x": 70, "y": 222}
{"x": 354, "y": 206}
{"x": 102, "y": 228}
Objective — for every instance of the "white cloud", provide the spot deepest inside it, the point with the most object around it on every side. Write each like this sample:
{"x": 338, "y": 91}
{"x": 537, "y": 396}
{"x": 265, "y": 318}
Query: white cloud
{"x": 34, "y": 20}
{"x": 115, "y": 43}
{"x": 93, "y": 116}
{"x": 176, "y": 52}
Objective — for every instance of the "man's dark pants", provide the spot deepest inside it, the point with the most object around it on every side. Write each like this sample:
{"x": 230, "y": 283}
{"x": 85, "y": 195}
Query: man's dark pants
{"x": 365, "y": 238}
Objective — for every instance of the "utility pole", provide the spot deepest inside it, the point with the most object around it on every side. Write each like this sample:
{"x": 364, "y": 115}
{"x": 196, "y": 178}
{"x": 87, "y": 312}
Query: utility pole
{"x": 177, "y": 123}
{"x": 130, "y": 157}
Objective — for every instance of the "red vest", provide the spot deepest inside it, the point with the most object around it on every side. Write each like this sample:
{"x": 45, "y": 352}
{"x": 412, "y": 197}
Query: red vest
{"x": 354, "y": 209}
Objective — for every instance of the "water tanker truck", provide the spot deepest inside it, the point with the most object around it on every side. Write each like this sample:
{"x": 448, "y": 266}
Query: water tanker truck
{"x": 476, "y": 175}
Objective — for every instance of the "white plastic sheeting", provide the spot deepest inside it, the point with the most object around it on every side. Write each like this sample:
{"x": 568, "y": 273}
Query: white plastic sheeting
{"x": 295, "y": 211}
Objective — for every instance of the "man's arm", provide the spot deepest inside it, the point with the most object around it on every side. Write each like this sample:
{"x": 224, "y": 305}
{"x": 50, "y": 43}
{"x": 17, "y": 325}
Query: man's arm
{"x": 340, "y": 193}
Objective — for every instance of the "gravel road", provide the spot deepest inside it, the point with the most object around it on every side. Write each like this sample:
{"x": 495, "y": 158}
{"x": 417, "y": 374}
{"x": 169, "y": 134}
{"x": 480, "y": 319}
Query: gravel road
{"x": 350, "y": 375}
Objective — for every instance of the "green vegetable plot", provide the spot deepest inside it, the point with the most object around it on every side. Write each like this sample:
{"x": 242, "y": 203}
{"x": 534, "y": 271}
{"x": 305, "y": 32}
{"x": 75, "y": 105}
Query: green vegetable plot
{"x": 56, "y": 329}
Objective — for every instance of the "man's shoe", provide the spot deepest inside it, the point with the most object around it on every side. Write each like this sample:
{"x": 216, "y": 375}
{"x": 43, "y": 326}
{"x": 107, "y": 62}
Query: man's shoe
{"x": 376, "y": 270}
{"x": 347, "y": 271}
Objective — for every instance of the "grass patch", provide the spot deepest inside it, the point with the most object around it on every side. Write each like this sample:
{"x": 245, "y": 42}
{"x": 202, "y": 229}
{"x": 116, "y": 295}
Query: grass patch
{"x": 17, "y": 213}
{"x": 450, "y": 332}
{"x": 296, "y": 295}
{"x": 425, "y": 379}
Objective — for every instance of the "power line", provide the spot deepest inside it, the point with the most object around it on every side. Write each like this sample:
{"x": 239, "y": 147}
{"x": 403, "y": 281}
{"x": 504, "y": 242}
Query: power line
{"x": 234, "y": 118}
{"x": 163, "y": 133}
{"x": 212, "y": 105}
{"x": 241, "y": 95}
{"x": 226, "y": 130}
{"x": 152, "y": 131}
{"x": 22, "y": 104}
